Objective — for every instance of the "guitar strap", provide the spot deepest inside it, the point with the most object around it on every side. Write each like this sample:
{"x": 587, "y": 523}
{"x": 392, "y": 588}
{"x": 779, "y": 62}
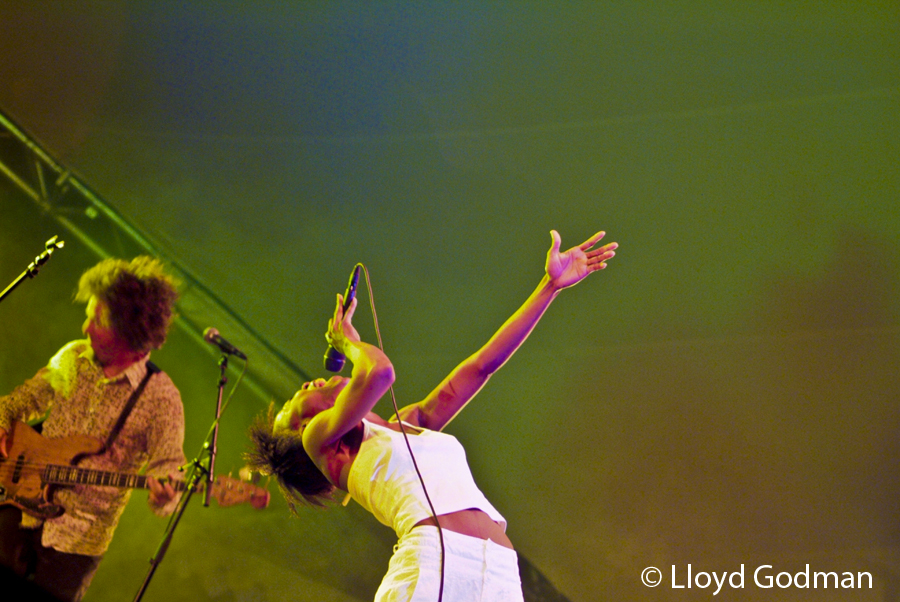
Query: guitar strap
{"x": 123, "y": 415}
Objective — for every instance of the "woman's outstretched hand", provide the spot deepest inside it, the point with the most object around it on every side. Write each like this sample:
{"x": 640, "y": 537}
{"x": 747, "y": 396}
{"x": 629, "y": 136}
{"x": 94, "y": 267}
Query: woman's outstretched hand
{"x": 573, "y": 266}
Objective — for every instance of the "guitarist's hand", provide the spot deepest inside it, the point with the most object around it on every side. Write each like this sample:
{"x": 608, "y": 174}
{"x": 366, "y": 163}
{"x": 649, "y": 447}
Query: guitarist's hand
{"x": 160, "y": 493}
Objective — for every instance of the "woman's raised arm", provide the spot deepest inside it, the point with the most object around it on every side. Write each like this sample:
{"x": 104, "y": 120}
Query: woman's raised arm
{"x": 562, "y": 270}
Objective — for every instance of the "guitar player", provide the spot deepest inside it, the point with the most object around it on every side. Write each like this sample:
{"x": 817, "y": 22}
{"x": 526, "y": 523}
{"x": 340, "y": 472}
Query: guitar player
{"x": 90, "y": 387}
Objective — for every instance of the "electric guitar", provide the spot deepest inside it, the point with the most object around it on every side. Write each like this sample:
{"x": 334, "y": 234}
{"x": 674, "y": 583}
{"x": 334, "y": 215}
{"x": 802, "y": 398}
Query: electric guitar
{"x": 35, "y": 466}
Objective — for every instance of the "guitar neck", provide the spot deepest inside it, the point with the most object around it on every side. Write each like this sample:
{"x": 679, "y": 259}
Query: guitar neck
{"x": 56, "y": 474}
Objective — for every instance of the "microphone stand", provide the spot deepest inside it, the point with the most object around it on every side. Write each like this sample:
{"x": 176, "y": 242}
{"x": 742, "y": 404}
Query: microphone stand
{"x": 212, "y": 440}
{"x": 32, "y": 269}
{"x": 197, "y": 472}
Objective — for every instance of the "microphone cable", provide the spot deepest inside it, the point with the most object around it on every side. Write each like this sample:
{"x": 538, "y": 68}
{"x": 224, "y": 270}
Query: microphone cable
{"x": 406, "y": 437}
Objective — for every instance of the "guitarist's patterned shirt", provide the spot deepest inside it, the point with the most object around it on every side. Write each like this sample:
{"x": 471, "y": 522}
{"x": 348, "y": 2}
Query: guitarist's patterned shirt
{"x": 84, "y": 402}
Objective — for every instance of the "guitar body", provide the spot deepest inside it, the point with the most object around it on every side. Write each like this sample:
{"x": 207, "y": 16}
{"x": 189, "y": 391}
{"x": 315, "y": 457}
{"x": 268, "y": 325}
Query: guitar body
{"x": 21, "y": 472}
{"x": 36, "y": 465}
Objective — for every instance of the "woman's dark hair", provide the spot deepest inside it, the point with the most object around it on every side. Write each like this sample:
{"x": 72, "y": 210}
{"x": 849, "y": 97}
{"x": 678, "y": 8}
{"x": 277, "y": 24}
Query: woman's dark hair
{"x": 282, "y": 454}
{"x": 140, "y": 296}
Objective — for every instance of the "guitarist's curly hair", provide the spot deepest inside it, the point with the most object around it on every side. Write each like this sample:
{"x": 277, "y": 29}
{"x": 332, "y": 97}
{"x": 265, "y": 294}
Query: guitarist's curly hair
{"x": 281, "y": 454}
{"x": 140, "y": 297}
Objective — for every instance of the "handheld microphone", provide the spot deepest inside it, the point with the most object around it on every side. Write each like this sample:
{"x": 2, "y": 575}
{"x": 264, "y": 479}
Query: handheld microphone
{"x": 334, "y": 359}
{"x": 212, "y": 336}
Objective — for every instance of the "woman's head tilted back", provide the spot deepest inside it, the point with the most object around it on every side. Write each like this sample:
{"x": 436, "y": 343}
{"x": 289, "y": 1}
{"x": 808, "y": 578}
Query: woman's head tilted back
{"x": 278, "y": 451}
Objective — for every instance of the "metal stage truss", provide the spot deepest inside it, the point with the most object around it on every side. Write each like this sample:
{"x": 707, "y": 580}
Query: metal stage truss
{"x": 60, "y": 193}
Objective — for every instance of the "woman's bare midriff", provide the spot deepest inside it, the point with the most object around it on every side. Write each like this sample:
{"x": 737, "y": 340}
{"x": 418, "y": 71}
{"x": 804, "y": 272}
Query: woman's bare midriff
{"x": 473, "y": 523}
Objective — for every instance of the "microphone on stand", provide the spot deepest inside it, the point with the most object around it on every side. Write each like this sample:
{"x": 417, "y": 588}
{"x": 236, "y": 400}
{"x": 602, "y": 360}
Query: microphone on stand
{"x": 212, "y": 336}
{"x": 334, "y": 359}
